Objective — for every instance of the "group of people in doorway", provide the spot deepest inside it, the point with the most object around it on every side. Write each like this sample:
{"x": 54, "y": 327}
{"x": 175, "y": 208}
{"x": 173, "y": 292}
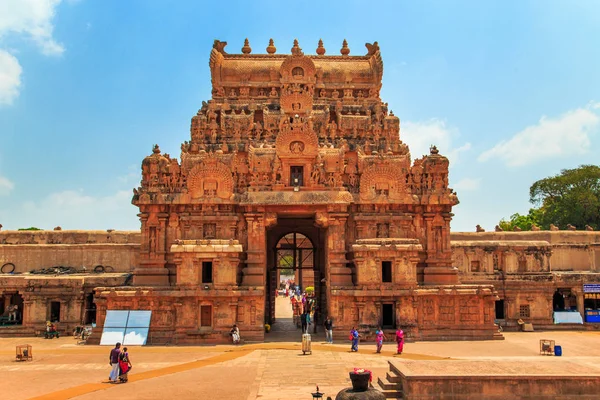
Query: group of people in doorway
{"x": 120, "y": 363}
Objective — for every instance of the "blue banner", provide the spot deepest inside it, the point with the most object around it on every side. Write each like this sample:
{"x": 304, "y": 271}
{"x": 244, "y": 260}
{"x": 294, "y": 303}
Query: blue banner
{"x": 591, "y": 288}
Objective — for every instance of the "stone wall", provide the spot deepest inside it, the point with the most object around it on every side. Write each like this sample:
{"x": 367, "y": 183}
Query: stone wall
{"x": 30, "y": 250}
{"x": 526, "y": 268}
{"x": 570, "y": 250}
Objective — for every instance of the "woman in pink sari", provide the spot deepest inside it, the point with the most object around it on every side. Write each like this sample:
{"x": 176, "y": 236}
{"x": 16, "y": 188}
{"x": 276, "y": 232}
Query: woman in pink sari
{"x": 379, "y": 337}
{"x": 400, "y": 340}
{"x": 124, "y": 365}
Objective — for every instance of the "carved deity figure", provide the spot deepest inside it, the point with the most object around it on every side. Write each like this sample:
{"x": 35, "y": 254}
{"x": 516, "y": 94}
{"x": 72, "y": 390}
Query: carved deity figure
{"x": 352, "y": 180}
{"x": 297, "y": 147}
{"x": 258, "y": 129}
{"x": 383, "y": 230}
{"x": 273, "y": 92}
{"x": 332, "y": 130}
{"x": 322, "y": 93}
{"x": 276, "y": 170}
{"x": 315, "y": 175}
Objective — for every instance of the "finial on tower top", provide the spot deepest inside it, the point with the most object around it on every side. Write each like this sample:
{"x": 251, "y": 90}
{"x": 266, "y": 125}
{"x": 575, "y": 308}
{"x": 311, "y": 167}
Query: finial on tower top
{"x": 320, "y": 48}
{"x": 156, "y": 149}
{"x": 246, "y": 49}
{"x": 296, "y": 50}
{"x": 345, "y": 50}
{"x": 271, "y": 49}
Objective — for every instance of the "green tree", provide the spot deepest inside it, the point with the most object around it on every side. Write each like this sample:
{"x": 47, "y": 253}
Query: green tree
{"x": 32, "y": 228}
{"x": 524, "y": 222}
{"x": 571, "y": 197}
{"x": 286, "y": 263}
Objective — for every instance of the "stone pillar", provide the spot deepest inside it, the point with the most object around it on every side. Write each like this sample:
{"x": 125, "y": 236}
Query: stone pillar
{"x": 439, "y": 270}
{"x": 580, "y": 298}
{"x": 254, "y": 272}
{"x": 338, "y": 274}
{"x": 151, "y": 270}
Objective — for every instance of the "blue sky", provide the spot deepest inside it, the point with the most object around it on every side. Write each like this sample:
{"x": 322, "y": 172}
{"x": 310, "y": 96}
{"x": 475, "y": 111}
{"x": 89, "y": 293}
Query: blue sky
{"x": 508, "y": 90}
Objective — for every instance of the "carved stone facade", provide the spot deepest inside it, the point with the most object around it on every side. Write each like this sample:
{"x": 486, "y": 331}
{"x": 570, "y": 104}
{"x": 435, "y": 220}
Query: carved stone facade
{"x": 299, "y": 144}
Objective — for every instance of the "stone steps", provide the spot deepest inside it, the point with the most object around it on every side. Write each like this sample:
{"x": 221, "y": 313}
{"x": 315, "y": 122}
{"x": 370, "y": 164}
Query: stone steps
{"x": 16, "y": 331}
{"x": 391, "y": 385}
{"x": 393, "y": 378}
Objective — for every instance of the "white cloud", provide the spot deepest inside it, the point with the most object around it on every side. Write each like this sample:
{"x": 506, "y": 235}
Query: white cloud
{"x": 32, "y": 18}
{"x": 10, "y": 78}
{"x": 6, "y": 186}
{"x": 467, "y": 184}
{"x": 419, "y": 136}
{"x": 73, "y": 209}
{"x": 567, "y": 135}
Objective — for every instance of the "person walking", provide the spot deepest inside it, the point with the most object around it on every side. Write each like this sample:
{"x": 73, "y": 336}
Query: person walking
{"x": 354, "y": 336}
{"x": 400, "y": 340}
{"x": 124, "y": 365}
{"x": 379, "y": 337}
{"x": 328, "y": 325}
{"x": 114, "y": 363}
{"x": 304, "y": 322}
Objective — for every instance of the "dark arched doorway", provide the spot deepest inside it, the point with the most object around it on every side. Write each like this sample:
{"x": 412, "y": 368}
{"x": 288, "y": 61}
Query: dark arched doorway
{"x": 294, "y": 254}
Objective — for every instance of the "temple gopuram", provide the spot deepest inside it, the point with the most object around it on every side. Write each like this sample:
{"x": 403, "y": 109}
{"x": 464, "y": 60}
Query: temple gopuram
{"x": 297, "y": 158}
{"x": 297, "y": 166}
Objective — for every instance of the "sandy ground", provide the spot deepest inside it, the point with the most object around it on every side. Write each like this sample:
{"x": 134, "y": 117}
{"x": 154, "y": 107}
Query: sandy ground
{"x": 61, "y": 369}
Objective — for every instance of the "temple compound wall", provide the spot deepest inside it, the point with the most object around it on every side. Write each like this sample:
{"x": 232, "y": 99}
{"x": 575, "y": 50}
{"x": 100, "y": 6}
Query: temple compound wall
{"x": 539, "y": 276}
{"x": 51, "y": 275}
{"x": 535, "y": 265}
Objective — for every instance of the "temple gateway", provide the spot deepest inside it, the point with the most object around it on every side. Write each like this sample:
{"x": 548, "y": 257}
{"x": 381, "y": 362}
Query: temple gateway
{"x": 296, "y": 157}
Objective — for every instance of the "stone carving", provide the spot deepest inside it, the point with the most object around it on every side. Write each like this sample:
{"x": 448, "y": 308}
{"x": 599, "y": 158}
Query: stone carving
{"x": 498, "y": 229}
{"x": 478, "y": 228}
{"x": 295, "y": 137}
{"x": 381, "y": 180}
{"x": 587, "y": 228}
{"x": 211, "y": 179}
{"x": 535, "y": 228}
{"x": 270, "y": 220}
{"x": 553, "y": 227}
{"x": 571, "y": 227}
{"x": 209, "y": 231}
{"x": 296, "y": 147}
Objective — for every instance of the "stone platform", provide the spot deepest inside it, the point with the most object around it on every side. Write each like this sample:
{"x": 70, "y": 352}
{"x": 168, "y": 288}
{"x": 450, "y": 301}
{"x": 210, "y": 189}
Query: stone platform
{"x": 542, "y": 378}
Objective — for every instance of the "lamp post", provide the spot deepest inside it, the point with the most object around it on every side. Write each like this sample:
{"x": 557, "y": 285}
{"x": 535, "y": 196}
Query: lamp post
{"x": 317, "y": 394}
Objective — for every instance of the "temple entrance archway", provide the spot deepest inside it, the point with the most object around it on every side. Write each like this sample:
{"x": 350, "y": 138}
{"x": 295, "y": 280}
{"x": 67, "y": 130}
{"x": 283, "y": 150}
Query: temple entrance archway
{"x": 295, "y": 248}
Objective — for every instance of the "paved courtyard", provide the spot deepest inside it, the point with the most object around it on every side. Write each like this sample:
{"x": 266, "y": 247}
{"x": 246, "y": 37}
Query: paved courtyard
{"x": 274, "y": 370}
